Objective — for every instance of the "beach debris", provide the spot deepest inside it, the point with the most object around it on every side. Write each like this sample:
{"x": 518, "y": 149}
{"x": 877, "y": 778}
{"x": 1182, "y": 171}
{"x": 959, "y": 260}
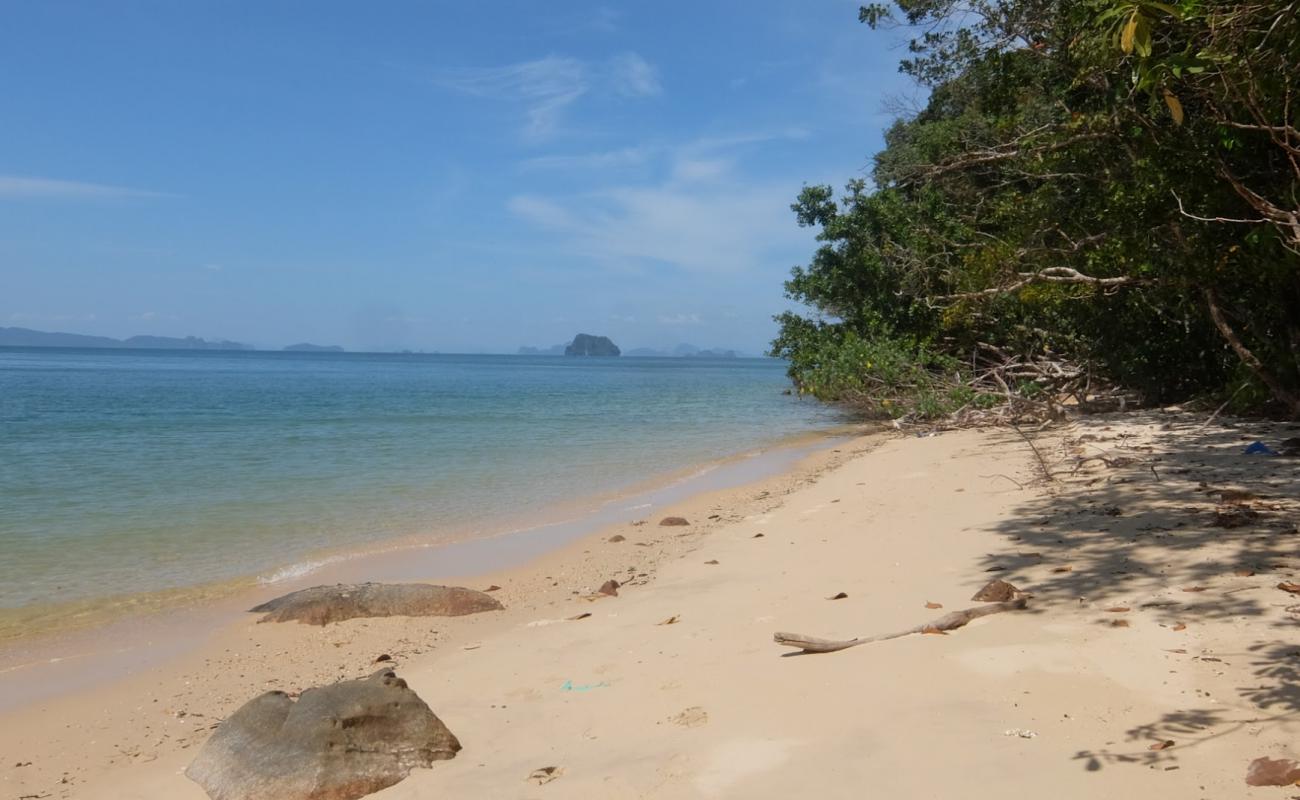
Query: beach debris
{"x": 1022, "y": 733}
{"x": 931, "y": 605}
{"x": 1179, "y": 627}
{"x": 1265, "y": 771}
{"x": 569, "y": 686}
{"x": 341, "y": 741}
{"x": 673, "y": 620}
{"x": 838, "y": 596}
{"x": 692, "y": 717}
{"x": 1193, "y": 589}
{"x": 995, "y": 591}
{"x": 757, "y": 536}
{"x": 1119, "y": 623}
{"x": 616, "y": 538}
{"x": 1066, "y": 568}
{"x": 948, "y": 622}
{"x": 1288, "y": 586}
{"x": 381, "y": 658}
{"x": 493, "y": 588}
{"x": 1244, "y": 573}
{"x": 472, "y": 646}
{"x": 1234, "y": 516}
{"x": 670, "y": 522}
{"x": 609, "y": 588}
{"x": 1165, "y": 745}
{"x": 1259, "y": 449}
{"x": 712, "y": 562}
{"x": 544, "y": 775}
{"x": 583, "y": 615}
{"x": 1118, "y": 609}
{"x": 321, "y": 605}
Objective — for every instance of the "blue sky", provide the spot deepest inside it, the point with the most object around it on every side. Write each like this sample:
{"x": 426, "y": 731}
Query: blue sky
{"x": 463, "y": 177}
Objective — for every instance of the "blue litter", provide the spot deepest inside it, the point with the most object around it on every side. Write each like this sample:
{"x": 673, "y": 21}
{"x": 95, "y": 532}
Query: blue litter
{"x": 1260, "y": 449}
{"x": 586, "y": 687}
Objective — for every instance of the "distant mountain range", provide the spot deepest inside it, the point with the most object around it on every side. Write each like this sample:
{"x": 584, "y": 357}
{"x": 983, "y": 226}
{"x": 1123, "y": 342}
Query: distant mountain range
{"x": 24, "y": 337}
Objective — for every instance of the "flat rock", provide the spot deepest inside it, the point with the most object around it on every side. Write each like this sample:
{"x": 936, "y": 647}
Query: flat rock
{"x": 336, "y": 742}
{"x": 674, "y": 521}
{"x": 321, "y": 605}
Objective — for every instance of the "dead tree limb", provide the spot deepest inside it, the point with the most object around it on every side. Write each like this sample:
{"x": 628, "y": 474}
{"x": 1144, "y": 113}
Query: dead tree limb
{"x": 948, "y": 622}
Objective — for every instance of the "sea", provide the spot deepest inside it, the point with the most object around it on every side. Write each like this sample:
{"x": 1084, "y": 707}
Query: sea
{"x": 135, "y": 474}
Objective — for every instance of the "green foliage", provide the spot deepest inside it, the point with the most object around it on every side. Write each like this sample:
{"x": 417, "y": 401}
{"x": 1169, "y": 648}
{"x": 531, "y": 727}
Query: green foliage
{"x": 1035, "y": 208}
{"x": 879, "y": 377}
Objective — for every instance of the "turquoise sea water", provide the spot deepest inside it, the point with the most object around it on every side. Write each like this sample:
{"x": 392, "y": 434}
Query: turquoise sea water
{"x": 139, "y": 471}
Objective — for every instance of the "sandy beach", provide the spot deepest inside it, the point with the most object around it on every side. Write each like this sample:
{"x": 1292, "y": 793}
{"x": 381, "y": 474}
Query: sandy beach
{"x": 1154, "y": 658}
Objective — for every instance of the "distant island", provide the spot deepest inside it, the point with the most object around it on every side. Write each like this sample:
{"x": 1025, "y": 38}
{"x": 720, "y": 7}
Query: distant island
{"x": 683, "y": 351}
{"x": 24, "y": 337}
{"x": 553, "y": 350}
{"x": 308, "y": 347}
{"x": 584, "y": 344}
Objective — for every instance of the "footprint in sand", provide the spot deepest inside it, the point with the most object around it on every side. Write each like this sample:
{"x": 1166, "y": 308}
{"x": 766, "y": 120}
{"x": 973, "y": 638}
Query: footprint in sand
{"x": 693, "y": 717}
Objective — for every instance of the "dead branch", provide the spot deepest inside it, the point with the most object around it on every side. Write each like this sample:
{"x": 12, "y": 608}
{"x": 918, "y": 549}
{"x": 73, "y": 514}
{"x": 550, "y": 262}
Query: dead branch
{"x": 948, "y": 622}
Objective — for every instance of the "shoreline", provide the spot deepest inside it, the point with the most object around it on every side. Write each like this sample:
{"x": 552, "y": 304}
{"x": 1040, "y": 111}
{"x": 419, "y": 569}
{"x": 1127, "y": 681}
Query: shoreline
{"x": 139, "y": 629}
{"x": 1153, "y": 659}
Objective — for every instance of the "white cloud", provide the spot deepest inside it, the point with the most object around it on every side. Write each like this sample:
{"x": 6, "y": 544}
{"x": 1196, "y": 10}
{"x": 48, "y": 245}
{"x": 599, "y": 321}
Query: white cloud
{"x": 547, "y": 87}
{"x": 15, "y": 186}
{"x": 704, "y": 215}
{"x": 633, "y": 76}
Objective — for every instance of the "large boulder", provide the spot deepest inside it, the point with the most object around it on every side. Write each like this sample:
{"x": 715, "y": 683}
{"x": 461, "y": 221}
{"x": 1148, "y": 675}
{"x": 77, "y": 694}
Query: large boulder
{"x": 321, "y": 605}
{"x": 336, "y": 742}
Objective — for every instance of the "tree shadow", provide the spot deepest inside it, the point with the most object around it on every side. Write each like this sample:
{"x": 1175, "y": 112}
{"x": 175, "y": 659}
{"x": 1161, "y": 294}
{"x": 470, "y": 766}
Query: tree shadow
{"x": 1178, "y": 522}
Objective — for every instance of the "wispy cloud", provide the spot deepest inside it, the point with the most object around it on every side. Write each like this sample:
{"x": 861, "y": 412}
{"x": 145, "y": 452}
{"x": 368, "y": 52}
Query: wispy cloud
{"x": 717, "y": 227}
{"x": 704, "y": 213}
{"x": 633, "y": 76}
{"x": 548, "y": 87}
{"x": 679, "y": 319}
{"x": 41, "y": 188}
{"x": 688, "y": 156}
{"x": 609, "y": 159}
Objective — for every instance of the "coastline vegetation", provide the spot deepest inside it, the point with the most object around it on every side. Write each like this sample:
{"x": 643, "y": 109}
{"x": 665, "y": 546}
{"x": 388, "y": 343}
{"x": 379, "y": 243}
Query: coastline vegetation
{"x": 1098, "y": 203}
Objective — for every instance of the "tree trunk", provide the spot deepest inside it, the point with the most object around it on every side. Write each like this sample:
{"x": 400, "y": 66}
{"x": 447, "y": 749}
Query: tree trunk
{"x": 1283, "y": 395}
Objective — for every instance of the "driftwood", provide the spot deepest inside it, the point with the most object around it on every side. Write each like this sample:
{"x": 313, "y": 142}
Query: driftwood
{"x": 948, "y": 622}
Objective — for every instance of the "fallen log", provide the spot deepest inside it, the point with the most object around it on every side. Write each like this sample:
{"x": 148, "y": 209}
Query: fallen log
{"x": 948, "y": 622}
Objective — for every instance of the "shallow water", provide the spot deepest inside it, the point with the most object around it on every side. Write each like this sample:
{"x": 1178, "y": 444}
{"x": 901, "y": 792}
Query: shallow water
{"x": 130, "y": 472}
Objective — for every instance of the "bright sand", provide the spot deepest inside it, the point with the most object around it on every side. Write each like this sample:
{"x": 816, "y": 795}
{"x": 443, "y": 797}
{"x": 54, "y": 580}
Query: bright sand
{"x": 1058, "y": 701}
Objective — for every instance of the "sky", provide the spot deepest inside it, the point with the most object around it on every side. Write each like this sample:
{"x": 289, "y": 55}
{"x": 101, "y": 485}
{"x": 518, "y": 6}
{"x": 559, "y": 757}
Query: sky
{"x": 449, "y": 176}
